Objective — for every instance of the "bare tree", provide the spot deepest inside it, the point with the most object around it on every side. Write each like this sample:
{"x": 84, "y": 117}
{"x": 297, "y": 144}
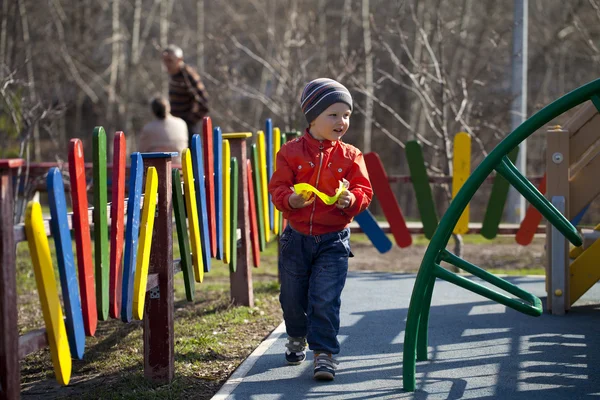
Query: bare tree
{"x": 368, "y": 76}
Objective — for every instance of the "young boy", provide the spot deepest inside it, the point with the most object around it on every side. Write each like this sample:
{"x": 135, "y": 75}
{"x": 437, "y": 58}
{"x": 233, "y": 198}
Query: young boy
{"x": 315, "y": 247}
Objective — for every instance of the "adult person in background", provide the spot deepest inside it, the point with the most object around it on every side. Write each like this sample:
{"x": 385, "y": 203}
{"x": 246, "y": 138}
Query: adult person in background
{"x": 166, "y": 133}
{"x": 187, "y": 95}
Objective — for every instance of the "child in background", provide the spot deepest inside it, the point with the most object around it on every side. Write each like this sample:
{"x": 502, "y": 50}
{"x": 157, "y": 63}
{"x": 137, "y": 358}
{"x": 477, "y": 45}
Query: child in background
{"x": 315, "y": 246}
{"x": 165, "y": 133}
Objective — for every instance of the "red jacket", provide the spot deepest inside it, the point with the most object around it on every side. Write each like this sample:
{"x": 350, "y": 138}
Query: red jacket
{"x": 306, "y": 160}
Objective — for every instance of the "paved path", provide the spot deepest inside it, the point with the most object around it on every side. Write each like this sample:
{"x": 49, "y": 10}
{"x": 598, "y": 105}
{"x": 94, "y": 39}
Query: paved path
{"x": 478, "y": 349}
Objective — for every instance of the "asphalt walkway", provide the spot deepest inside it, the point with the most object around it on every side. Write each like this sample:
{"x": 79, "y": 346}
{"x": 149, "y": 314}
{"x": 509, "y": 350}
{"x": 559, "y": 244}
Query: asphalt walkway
{"x": 478, "y": 349}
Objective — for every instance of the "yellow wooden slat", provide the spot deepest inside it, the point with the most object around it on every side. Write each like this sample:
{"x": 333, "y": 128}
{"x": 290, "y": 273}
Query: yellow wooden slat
{"x": 262, "y": 161}
{"x": 226, "y": 201}
{"x": 461, "y": 171}
{"x": 237, "y": 135}
{"x": 276, "y": 147}
{"x": 584, "y": 271}
{"x": 145, "y": 243}
{"x": 48, "y": 293}
{"x": 192, "y": 214}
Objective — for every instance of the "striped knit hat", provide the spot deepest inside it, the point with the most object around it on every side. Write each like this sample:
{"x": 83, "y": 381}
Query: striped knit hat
{"x": 319, "y": 94}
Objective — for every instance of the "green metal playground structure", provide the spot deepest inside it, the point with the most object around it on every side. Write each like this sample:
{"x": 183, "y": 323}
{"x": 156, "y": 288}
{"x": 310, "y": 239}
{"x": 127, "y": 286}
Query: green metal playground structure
{"x": 416, "y": 341}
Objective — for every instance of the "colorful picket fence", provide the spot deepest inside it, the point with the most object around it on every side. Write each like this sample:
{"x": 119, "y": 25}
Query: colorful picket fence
{"x": 131, "y": 276}
{"x": 421, "y": 183}
{"x": 268, "y": 143}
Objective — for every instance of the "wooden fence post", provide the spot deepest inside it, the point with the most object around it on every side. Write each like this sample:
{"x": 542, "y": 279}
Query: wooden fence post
{"x": 557, "y": 184}
{"x": 242, "y": 293}
{"x": 159, "y": 346}
{"x": 10, "y": 385}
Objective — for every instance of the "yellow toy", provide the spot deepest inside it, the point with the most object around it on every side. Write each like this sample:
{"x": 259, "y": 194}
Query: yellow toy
{"x": 306, "y": 191}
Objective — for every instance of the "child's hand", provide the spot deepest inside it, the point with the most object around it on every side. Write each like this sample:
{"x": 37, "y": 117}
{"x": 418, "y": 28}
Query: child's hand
{"x": 345, "y": 199}
{"x": 299, "y": 200}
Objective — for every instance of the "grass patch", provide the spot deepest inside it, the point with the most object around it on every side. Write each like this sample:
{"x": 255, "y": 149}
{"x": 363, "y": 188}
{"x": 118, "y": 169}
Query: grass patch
{"x": 212, "y": 337}
{"x": 518, "y": 272}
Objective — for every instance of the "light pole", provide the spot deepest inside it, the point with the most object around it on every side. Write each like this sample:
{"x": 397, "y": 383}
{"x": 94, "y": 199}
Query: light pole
{"x": 515, "y": 210}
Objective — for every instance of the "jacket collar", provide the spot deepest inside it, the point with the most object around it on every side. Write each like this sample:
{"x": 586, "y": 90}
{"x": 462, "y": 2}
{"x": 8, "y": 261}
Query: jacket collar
{"x": 316, "y": 144}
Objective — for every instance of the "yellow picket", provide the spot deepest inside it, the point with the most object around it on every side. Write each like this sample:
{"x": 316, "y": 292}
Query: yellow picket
{"x": 227, "y": 202}
{"x": 192, "y": 214}
{"x": 276, "y": 147}
{"x": 461, "y": 172}
{"x": 48, "y": 293}
{"x": 145, "y": 243}
{"x": 264, "y": 183}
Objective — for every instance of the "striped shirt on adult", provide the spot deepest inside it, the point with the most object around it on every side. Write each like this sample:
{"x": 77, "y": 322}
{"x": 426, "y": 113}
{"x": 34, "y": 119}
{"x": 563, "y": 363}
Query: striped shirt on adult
{"x": 187, "y": 95}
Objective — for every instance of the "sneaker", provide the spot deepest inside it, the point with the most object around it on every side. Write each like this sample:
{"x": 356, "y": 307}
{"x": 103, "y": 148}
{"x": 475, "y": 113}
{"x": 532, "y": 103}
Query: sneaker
{"x": 325, "y": 366}
{"x": 296, "y": 350}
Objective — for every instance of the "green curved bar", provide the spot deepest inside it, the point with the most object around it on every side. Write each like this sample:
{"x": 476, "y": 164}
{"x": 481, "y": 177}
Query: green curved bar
{"x": 508, "y": 170}
{"x": 418, "y": 311}
{"x": 531, "y": 305}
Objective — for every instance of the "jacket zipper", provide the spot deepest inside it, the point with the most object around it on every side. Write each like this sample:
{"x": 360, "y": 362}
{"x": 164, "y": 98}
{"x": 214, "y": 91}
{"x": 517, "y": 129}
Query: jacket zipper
{"x": 312, "y": 213}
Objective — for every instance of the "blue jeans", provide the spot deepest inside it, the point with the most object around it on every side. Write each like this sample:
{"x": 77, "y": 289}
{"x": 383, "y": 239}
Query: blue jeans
{"x": 312, "y": 271}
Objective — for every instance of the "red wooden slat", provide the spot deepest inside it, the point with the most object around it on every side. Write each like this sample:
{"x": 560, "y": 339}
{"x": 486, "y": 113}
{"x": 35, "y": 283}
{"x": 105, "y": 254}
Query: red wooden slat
{"x": 253, "y": 223}
{"x": 117, "y": 215}
{"x": 532, "y": 219}
{"x": 81, "y": 227}
{"x": 387, "y": 199}
{"x": 12, "y": 163}
{"x": 209, "y": 171}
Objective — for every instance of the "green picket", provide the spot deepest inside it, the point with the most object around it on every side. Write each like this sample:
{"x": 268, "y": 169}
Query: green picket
{"x": 495, "y": 207}
{"x": 420, "y": 181}
{"x": 182, "y": 235}
{"x": 100, "y": 223}
{"x": 283, "y": 140}
{"x": 258, "y": 196}
{"x": 234, "y": 213}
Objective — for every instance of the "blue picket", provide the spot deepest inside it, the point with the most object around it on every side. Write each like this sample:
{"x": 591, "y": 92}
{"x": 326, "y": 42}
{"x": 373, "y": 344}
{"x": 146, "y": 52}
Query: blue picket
{"x": 199, "y": 183}
{"x": 218, "y": 158}
{"x": 66, "y": 263}
{"x": 371, "y": 228}
{"x": 269, "y": 151}
{"x": 132, "y": 230}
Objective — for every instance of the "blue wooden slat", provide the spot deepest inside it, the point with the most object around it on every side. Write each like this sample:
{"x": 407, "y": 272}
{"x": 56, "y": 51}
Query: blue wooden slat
{"x": 371, "y": 228}
{"x": 218, "y": 162}
{"x": 575, "y": 221}
{"x": 200, "y": 185}
{"x": 269, "y": 151}
{"x": 132, "y": 231}
{"x": 66, "y": 263}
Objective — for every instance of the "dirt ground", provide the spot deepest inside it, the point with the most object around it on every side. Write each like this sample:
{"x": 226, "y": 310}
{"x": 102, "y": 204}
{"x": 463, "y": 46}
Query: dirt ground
{"x": 503, "y": 253}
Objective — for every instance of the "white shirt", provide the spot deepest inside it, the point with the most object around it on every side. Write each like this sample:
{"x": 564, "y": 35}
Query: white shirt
{"x": 164, "y": 135}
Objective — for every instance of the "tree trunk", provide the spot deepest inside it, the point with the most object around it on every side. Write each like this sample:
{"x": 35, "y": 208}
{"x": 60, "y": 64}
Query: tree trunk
{"x": 416, "y": 117}
{"x": 3, "y": 39}
{"x": 368, "y": 76}
{"x": 344, "y": 32}
{"x": 200, "y": 36}
{"x": 322, "y": 9}
{"x": 114, "y": 75}
{"x": 164, "y": 37}
{"x": 30, "y": 76}
{"x": 131, "y": 73}
{"x": 266, "y": 75}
